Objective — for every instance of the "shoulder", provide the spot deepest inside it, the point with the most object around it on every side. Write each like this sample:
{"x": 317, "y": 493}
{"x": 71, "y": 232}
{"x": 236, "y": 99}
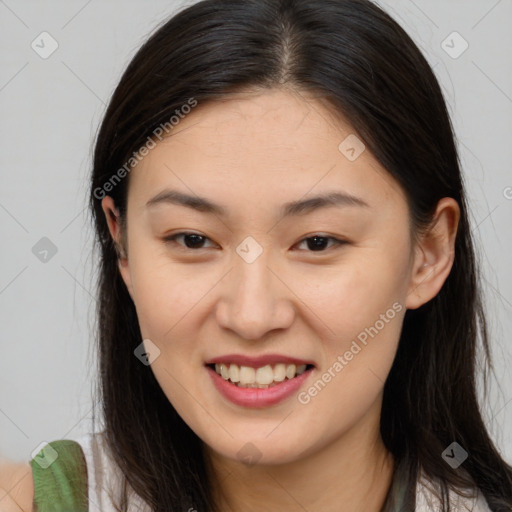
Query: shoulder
{"x": 59, "y": 473}
{"x": 56, "y": 473}
{"x": 16, "y": 486}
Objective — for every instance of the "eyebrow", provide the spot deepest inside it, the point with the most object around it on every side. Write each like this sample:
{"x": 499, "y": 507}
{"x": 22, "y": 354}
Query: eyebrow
{"x": 300, "y": 207}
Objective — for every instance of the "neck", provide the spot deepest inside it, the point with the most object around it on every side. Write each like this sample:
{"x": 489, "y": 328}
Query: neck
{"x": 349, "y": 474}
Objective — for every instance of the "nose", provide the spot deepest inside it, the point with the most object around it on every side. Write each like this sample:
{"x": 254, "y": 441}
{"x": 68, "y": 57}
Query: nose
{"x": 255, "y": 300}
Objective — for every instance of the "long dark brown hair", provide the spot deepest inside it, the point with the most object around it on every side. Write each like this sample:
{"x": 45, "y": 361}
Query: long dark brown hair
{"x": 355, "y": 57}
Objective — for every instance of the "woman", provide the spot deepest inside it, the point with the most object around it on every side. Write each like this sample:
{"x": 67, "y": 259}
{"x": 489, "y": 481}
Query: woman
{"x": 289, "y": 304}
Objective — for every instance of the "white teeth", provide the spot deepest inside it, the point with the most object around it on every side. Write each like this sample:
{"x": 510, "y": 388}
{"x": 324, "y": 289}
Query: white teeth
{"x": 248, "y": 377}
{"x": 234, "y": 373}
{"x": 265, "y": 375}
{"x": 290, "y": 371}
{"x": 279, "y": 372}
{"x": 224, "y": 371}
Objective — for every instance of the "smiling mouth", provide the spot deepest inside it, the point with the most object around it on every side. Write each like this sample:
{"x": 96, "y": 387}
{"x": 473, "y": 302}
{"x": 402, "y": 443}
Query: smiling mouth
{"x": 262, "y": 377}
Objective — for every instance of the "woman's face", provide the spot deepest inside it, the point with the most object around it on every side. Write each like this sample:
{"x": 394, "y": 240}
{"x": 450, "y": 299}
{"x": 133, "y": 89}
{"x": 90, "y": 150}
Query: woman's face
{"x": 254, "y": 283}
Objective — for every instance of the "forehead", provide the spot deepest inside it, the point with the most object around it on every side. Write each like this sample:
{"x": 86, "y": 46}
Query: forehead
{"x": 259, "y": 120}
{"x": 276, "y": 143}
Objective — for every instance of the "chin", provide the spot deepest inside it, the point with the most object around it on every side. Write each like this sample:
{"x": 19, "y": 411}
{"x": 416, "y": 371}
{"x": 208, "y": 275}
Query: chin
{"x": 259, "y": 451}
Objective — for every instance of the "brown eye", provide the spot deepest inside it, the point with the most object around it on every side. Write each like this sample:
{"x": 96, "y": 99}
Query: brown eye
{"x": 191, "y": 240}
{"x": 318, "y": 243}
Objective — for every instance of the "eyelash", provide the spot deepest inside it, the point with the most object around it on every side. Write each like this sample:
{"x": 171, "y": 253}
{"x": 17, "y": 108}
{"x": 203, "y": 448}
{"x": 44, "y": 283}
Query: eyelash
{"x": 172, "y": 238}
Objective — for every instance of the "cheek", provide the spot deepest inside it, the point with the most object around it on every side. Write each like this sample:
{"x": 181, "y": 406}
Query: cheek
{"x": 352, "y": 296}
{"x": 167, "y": 293}
{"x": 359, "y": 320}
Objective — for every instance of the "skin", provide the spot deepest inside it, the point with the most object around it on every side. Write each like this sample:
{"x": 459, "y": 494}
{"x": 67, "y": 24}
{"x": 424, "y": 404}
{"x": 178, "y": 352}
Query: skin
{"x": 251, "y": 154}
{"x": 16, "y": 486}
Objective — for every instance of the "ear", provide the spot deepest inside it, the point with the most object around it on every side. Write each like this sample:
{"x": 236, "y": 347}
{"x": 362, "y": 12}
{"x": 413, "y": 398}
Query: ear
{"x": 434, "y": 254}
{"x": 114, "y": 226}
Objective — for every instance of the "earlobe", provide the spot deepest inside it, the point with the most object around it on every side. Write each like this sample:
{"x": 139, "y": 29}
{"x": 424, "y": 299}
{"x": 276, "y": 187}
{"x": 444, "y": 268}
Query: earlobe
{"x": 434, "y": 255}
{"x": 114, "y": 226}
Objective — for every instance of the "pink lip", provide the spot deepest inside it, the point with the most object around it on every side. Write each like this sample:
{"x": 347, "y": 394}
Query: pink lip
{"x": 257, "y": 362}
{"x": 257, "y": 397}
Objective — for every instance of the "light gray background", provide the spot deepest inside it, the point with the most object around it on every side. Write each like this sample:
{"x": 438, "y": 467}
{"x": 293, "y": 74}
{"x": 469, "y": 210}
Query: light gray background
{"x": 51, "y": 109}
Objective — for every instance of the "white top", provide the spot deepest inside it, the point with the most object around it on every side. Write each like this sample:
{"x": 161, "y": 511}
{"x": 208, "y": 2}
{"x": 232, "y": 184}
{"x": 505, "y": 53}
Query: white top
{"x": 427, "y": 502}
{"x": 104, "y": 478}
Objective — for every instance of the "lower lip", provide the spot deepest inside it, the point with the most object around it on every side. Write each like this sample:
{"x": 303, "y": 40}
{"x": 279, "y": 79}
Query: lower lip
{"x": 258, "y": 397}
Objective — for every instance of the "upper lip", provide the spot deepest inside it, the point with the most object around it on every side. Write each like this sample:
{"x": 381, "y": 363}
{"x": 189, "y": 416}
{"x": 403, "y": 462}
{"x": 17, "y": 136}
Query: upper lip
{"x": 257, "y": 361}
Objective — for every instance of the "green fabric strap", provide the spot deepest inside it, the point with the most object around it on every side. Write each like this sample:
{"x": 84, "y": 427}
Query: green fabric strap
{"x": 60, "y": 478}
